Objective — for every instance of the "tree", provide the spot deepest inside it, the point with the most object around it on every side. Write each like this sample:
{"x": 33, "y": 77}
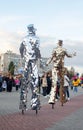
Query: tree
{"x": 11, "y": 68}
{"x": 71, "y": 72}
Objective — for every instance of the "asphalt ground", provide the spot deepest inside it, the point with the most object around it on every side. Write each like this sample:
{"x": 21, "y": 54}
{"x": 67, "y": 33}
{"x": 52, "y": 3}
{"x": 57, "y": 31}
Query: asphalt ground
{"x": 68, "y": 117}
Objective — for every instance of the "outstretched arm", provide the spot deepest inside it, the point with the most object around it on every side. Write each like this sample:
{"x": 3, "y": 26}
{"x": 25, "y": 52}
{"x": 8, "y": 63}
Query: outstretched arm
{"x": 51, "y": 58}
{"x": 71, "y": 55}
{"x": 49, "y": 61}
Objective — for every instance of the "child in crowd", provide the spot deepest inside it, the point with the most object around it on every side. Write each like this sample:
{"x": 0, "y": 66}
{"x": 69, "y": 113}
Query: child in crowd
{"x": 75, "y": 83}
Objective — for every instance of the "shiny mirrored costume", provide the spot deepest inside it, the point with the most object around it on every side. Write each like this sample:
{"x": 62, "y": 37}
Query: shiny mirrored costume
{"x": 57, "y": 58}
{"x": 29, "y": 50}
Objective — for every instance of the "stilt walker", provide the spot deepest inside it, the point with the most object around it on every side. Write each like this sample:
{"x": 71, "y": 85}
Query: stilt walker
{"x": 61, "y": 77}
{"x": 57, "y": 58}
{"x": 29, "y": 50}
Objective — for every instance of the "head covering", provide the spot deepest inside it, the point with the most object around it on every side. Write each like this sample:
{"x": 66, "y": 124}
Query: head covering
{"x": 60, "y": 42}
{"x": 31, "y": 27}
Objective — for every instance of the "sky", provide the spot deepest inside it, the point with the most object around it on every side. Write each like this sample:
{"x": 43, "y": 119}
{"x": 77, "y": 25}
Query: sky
{"x": 53, "y": 19}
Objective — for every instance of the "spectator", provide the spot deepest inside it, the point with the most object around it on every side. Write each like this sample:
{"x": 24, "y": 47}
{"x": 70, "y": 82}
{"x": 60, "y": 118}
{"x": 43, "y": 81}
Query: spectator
{"x": 10, "y": 83}
{"x": 75, "y": 83}
{"x": 81, "y": 81}
{"x": 17, "y": 83}
{"x": 66, "y": 86}
{"x": 49, "y": 83}
{"x": 0, "y": 83}
{"x": 4, "y": 85}
{"x": 44, "y": 84}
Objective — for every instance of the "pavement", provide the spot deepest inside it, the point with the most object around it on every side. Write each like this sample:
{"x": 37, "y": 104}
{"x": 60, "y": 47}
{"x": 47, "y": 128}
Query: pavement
{"x": 66, "y": 117}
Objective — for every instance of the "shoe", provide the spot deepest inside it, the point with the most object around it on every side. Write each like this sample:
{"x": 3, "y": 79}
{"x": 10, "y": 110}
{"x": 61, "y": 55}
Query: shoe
{"x": 51, "y": 102}
{"x": 45, "y": 96}
{"x": 48, "y": 95}
{"x": 68, "y": 99}
{"x": 56, "y": 100}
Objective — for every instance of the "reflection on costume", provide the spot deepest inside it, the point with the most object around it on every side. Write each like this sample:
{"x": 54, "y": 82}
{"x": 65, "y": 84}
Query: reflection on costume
{"x": 57, "y": 58}
{"x": 29, "y": 50}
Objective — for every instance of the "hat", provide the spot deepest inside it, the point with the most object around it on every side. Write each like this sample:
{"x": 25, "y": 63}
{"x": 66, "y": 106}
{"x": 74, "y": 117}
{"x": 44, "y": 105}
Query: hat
{"x": 31, "y": 27}
{"x": 60, "y": 41}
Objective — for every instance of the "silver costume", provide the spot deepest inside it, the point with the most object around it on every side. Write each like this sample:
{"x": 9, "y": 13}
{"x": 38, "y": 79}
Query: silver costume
{"x": 29, "y": 50}
{"x": 57, "y": 58}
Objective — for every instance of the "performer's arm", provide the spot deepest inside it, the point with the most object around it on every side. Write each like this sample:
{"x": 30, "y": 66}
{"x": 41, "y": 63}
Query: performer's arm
{"x": 49, "y": 61}
{"x": 51, "y": 58}
{"x": 70, "y": 55}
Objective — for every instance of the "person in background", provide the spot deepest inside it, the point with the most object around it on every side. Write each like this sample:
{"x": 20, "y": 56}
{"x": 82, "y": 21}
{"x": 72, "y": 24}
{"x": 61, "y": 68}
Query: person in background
{"x": 49, "y": 83}
{"x": 75, "y": 83}
{"x": 44, "y": 84}
{"x": 17, "y": 83}
{"x": 81, "y": 81}
{"x": 0, "y": 83}
{"x": 66, "y": 86}
{"x": 4, "y": 85}
{"x": 10, "y": 83}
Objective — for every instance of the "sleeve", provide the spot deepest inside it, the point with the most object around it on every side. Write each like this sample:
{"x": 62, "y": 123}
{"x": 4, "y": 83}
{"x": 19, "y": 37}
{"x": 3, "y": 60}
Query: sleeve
{"x": 70, "y": 55}
{"x": 51, "y": 58}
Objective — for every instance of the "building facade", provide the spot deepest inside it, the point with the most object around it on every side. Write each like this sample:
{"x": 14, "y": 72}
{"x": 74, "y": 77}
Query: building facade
{"x": 6, "y": 58}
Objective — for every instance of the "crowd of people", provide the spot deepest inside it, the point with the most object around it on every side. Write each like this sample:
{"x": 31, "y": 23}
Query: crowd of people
{"x": 69, "y": 84}
{"x": 45, "y": 83}
{"x": 7, "y": 82}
